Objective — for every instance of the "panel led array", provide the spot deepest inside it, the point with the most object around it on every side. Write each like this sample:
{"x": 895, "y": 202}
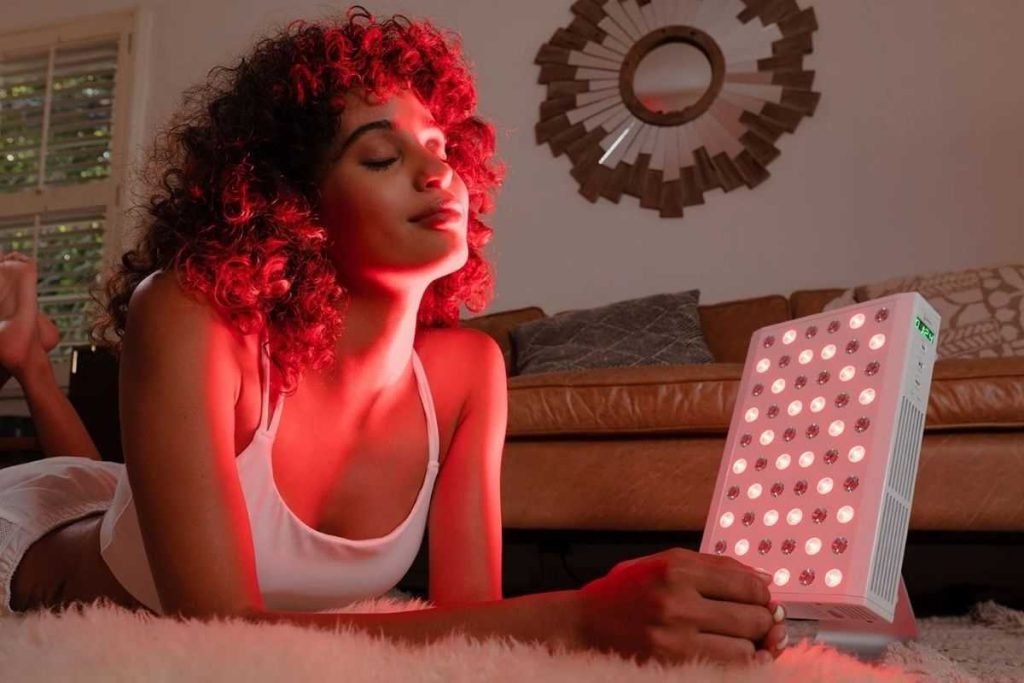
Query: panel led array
{"x": 803, "y": 478}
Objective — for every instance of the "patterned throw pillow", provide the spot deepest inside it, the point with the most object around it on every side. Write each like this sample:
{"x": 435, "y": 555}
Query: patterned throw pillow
{"x": 663, "y": 329}
{"x": 982, "y": 309}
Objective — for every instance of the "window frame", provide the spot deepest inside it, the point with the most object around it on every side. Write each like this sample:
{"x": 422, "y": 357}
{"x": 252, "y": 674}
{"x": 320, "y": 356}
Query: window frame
{"x": 110, "y": 192}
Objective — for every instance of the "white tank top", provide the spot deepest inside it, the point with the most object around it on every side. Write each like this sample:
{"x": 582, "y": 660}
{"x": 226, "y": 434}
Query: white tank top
{"x": 298, "y": 567}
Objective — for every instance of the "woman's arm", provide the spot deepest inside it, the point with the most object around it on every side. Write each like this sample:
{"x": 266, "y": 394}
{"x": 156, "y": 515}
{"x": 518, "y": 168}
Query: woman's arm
{"x": 180, "y": 377}
{"x": 465, "y": 511}
{"x": 551, "y": 618}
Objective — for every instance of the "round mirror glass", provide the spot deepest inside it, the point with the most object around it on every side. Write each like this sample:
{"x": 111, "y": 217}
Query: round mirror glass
{"x": 672, "y": 77}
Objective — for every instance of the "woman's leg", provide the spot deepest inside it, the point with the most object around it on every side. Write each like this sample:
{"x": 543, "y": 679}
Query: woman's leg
{"x": 23, "y": 355}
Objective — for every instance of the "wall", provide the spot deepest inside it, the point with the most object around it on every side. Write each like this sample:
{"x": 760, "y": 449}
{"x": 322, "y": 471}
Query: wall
{"x": 910, "y": 164}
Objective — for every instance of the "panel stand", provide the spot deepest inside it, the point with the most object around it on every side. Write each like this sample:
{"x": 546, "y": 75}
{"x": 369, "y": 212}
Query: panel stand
{"x": 868, "y": 641}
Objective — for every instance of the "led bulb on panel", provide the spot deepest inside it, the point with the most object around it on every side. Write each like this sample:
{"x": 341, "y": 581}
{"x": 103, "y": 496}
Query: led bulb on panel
{"x": 815, "y": 487}
{"x": 781, "y": 577}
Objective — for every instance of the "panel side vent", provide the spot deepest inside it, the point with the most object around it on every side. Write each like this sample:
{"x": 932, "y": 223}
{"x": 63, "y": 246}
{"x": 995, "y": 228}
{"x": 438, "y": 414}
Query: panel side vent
{"x": 892, "y": 535}
{"x": 907, "y": 448}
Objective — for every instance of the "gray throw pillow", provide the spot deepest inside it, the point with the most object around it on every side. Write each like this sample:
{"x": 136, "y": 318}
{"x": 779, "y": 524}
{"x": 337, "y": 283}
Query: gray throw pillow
{"x": 663, "y": 329}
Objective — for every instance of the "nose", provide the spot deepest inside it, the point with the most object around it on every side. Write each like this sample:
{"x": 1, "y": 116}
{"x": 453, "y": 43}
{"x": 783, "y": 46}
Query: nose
{"x": 433, "y": 173}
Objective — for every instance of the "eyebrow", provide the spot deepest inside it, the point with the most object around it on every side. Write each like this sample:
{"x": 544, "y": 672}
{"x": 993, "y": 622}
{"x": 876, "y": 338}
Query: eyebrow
{"x": 383, "y": 124}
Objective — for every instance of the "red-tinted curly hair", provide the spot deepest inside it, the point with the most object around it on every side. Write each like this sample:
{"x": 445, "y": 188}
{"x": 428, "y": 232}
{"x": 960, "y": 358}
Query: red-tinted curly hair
{"x": 234, "y": 206}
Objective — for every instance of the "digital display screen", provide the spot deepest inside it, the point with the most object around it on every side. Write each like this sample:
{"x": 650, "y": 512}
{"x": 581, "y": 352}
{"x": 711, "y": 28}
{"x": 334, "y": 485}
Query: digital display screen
{"x": 925, "y": 331}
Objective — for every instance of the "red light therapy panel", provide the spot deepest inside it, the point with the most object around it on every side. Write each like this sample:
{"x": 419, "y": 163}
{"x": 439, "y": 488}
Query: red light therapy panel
{"x": 817, "y": 478}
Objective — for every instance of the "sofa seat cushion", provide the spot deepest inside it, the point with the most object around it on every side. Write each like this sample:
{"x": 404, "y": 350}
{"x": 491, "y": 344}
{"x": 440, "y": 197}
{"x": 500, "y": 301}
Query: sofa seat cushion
{"x": 699, "y": 399}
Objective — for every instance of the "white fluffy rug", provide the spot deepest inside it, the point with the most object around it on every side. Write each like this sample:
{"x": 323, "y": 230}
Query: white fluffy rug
{"x": 106, "y": 643}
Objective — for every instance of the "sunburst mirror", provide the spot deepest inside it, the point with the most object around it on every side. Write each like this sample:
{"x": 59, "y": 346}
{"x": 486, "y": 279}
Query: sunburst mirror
{"x": 665, "y": 100}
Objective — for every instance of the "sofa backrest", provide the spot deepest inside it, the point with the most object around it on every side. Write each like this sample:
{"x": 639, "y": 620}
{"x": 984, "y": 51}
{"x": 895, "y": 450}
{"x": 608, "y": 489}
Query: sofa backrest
{"x": 727, "y": 326}
{"x": 810, "y": 301}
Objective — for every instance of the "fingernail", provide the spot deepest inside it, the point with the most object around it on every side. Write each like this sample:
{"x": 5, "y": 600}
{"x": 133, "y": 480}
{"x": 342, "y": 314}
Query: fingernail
{"x": 763, "y": 657}
{"x": 765, "y": 576}
{"x": 784, "y": 642}
{"x": 779, "y": 615}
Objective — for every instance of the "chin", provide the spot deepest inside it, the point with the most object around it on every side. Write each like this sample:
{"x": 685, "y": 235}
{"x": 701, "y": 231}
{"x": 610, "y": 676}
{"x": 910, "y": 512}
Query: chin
{"x": 456, "y": 259}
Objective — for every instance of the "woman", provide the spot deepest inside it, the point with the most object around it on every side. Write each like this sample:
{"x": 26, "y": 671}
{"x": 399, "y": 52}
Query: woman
{"x": 297, "y": 401}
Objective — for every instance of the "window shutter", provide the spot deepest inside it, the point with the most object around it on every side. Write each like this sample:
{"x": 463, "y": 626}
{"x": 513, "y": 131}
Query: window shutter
{"x": 68, "y": 248}
{"x": 56, "y": 116}
{"x": 56, "y": 131}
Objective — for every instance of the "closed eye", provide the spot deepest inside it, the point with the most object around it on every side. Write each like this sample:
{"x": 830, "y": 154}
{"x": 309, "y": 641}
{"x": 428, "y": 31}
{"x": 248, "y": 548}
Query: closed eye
{"x": 379, "y": 164}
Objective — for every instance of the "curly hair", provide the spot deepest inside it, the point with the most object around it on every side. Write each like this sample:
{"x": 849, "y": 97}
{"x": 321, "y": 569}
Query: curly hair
{"x": 233, "y": 199}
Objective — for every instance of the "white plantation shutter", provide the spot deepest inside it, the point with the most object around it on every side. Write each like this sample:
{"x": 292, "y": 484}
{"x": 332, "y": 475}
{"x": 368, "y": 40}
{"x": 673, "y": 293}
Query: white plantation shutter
{"x": 64, "y": 109}
{"x": 69, "y": 251}
{"x": 56, "y": 116}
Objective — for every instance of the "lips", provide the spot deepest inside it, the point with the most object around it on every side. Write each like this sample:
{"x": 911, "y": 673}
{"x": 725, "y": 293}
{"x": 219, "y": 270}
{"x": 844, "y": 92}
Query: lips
{"x": 442, "y": 211}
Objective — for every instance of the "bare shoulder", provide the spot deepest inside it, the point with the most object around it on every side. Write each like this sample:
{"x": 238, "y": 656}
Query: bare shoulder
{"x": 160, "y": 300}
{"x": 471, "y": 358}
{"x": 160, "y": 308}
{"x": 466, "y": 371}
{"x": 166, "y": 320}
{"x": 461, "y": 348}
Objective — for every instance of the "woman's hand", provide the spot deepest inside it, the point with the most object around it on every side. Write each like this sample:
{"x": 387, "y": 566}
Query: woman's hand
{"x": 678, "y": 604}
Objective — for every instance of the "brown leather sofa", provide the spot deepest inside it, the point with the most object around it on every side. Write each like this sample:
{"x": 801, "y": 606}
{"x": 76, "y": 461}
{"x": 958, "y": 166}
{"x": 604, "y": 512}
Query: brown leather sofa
{"x": 638, "y": 448}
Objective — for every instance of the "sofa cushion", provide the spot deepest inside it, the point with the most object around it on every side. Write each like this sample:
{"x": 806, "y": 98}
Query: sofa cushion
{"x": 728, "y": 326}
{"x": 662, "y": 329}
{"x": 699, "y": 399}
{"x": 982, "y": 309}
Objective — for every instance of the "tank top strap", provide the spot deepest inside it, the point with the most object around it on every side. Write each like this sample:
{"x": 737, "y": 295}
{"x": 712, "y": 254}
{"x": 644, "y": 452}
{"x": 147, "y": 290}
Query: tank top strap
{"x": 268, "y": 422}
{"x": 427, "y": 399}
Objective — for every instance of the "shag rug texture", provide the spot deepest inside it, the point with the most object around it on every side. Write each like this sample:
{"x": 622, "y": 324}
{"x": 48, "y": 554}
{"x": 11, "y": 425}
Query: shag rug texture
{"x": 107, "y": 643}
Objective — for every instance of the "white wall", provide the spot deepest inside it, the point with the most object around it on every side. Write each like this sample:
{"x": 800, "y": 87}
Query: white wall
{"x": 911, "y": 163}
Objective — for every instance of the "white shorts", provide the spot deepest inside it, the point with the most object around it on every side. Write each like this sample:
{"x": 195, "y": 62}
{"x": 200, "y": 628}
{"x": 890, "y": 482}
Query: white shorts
{"x": 39, "y": 496}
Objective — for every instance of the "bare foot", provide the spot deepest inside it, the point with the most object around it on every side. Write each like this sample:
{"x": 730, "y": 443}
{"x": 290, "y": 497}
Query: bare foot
{"x": 49, "y": 335}
{"x": 19, "y": 312}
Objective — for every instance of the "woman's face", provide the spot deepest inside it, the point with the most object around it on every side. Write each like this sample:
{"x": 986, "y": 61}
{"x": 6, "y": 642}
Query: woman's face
{"x": 385, "y": 179}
